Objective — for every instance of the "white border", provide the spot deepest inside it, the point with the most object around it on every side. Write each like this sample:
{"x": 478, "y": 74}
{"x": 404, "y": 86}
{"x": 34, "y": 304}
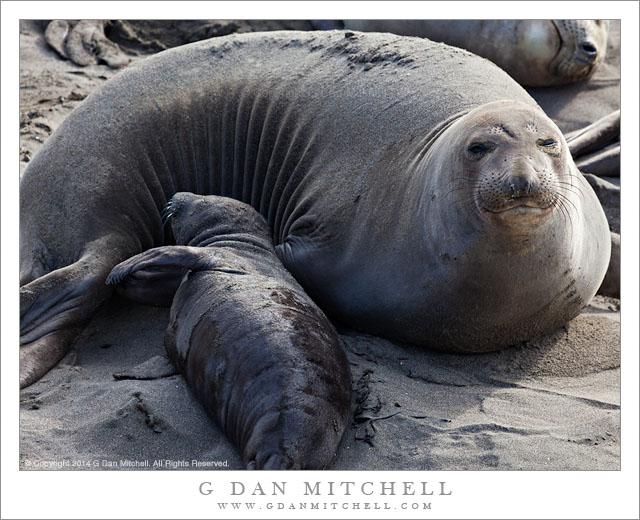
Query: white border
{"x": 118, "y": 494}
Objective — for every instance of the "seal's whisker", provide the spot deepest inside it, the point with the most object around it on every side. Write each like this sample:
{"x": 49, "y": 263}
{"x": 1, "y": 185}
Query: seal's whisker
{"x": 561, "y": 204}
{"x": 565, "y": 199}
{"x": 572, "y": 188}
{"x": 469, "y": 201}
{"x": 166, "y": 218}
{"x": 167, "y": 208}
{"x": 454, "y": 190}
{"x": 562, "y": 211}
{"x": 463, "y": 200}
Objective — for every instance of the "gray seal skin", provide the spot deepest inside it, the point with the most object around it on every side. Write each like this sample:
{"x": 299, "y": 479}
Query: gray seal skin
{"x": 536, "y": 53}
{"x": 413, "y": 189}
{"x": 259, "y": 354}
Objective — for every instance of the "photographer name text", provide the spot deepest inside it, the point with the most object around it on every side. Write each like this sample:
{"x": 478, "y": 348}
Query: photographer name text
{"x": 329, "y": 488}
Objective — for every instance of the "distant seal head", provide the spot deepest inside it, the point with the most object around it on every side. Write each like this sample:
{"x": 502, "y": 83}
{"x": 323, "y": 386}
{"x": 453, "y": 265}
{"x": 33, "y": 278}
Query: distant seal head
{"x": 414, "y": 190}
{"x": 258, "y": 353}
{"x": 536, "y": 53}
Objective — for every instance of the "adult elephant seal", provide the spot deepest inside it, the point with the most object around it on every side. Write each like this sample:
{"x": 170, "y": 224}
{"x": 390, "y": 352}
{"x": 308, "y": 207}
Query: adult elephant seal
{"x": 536, "y": 53}
{"x": 413, "y": 189}
{"x": 84, "y": 42}
{"x": 259, "y": 354}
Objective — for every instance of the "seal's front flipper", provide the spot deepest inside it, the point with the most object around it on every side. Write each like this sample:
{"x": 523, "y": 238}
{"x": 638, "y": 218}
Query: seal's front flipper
{"x": 153, "y": 277}
{"x": 53, "y": 311}
{"x": 84, "y": 43}
{"x": 596, "y": 148}
{"x": 595, "y": 136}
{"x": 604, "y": 162}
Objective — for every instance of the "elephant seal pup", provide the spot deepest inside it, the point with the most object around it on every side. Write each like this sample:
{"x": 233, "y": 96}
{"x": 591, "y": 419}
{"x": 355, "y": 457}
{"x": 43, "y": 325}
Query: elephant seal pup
{"x": 413, "y": 189}
{"x": 536, "y": 53}
{"x": 258, "y": 353}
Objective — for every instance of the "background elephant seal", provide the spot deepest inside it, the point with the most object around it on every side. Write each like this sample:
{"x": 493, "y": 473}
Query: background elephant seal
{"x": 413, "y": 189}
{"x": 258, "y": 353}
{"x": 84, "y": 42}
{"x": 536, "y": 53}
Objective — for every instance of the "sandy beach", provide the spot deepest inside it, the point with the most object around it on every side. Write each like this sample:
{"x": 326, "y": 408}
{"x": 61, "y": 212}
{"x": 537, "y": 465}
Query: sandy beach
{"x": 548, "y": 404}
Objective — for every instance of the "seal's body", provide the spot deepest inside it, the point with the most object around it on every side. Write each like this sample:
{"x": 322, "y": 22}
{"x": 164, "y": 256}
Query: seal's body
{"x": 403, "y": 195}
{"x": 536, "y": 53}
{"x": 260, "y": 355}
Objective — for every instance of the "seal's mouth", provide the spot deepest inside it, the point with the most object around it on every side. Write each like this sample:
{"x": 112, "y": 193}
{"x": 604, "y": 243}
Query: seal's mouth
{"x": 519, "y": 213}
{"x": 522, "y": 205}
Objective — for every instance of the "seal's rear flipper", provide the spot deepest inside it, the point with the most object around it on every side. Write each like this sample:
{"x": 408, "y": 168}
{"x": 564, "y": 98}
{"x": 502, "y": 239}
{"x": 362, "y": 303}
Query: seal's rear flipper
{"x": 595, "y": 136}
{"x": 40, "y": 356}
{"x": 53, "y": 311}
{"x": 153, "y": 277}
{"x": 604, "y": 162}
{"x": 596, "y": 148}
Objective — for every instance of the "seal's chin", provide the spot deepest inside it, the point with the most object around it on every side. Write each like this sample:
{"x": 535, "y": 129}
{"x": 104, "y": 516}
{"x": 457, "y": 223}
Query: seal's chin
{"x": 574, "y": 68}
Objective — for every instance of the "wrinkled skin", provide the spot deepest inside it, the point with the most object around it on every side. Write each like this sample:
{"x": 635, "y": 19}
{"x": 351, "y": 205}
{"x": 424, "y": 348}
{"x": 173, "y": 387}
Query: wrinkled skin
{"x": 258, "y": 353}
{"x": 373, "y": 204}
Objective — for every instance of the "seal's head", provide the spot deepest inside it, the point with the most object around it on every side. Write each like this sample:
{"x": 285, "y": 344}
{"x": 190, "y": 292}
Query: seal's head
{"x": 200, "y": 220}
{"x": 512, "y": 168}
{"x": 583, "y": 47}
{"x": 518, "y": 162}
{"x": 561, "y": 51}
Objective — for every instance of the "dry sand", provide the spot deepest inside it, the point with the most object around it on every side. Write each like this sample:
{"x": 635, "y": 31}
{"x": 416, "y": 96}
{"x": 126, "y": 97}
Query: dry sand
{"x": 552, "y": 403}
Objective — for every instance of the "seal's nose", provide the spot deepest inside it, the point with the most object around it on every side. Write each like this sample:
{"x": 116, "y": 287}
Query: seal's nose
{"x": 589, "y": 50}
{"x": 520, "y": 186}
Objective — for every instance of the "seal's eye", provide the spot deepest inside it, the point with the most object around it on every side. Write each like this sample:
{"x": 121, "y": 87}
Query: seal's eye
{"x": 547, "y": 143}
{"x": 477, "y": 150}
